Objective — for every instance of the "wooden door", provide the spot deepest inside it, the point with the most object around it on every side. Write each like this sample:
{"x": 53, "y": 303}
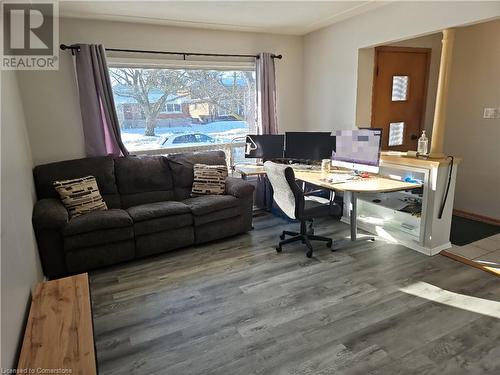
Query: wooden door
{"x": 399, "y": 95}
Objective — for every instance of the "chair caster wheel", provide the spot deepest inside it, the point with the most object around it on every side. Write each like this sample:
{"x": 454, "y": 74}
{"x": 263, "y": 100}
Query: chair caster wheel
{"x": 278, "y": 249}
{"x": 309, "y": 254}
{"x": 282, "y": 236}
{"x": 329, "y": 244}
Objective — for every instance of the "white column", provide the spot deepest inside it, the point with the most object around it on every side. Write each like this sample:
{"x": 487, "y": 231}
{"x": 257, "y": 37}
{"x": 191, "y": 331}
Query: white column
{"x": 438, "y": 127}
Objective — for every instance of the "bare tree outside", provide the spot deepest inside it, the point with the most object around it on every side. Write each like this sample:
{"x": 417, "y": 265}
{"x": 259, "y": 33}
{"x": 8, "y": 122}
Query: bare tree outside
{"x": 138, "y": 84}
{"x": 154, "y": 103}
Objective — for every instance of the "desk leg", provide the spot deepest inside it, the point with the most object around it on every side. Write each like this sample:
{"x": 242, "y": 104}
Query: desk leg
{"x": 353, "y": 216}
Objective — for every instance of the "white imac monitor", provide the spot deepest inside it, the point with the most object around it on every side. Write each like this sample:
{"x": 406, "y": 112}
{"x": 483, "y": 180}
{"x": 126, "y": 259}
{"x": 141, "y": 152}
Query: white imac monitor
{"x": 358, "y": 149}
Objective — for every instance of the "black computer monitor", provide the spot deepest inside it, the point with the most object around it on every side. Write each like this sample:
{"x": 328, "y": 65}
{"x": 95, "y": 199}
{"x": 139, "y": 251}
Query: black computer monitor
{"x": 265, "y": 146}
{"x": 358, "y": 149}
{"x": 309, "y": 145}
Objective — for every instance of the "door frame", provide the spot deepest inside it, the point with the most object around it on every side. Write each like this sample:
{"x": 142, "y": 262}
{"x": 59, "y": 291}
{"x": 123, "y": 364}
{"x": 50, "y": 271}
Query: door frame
{"x": 427, "y": 52}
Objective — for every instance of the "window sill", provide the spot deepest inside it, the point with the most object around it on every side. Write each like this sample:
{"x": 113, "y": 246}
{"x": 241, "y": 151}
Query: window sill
{"x": 205, "y": 147}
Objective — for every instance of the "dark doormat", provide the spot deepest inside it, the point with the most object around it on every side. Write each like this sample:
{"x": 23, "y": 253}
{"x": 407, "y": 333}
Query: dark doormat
{"x": 464, "y": 231}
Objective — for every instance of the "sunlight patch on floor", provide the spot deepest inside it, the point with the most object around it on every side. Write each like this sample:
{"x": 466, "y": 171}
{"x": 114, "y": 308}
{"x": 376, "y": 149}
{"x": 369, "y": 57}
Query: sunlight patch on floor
{"x": 461, "y": 301}
{"x": 381, "y": 232}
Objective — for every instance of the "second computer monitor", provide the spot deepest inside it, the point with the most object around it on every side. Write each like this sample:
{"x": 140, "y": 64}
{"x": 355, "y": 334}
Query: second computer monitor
{"x": 309, "y": 145}
{"x": 265, "y": 146}
{"x": 358, "y": 149}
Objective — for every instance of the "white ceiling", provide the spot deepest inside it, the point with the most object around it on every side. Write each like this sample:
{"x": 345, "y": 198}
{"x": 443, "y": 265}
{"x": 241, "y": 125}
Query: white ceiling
{"x": 279, "y": 17}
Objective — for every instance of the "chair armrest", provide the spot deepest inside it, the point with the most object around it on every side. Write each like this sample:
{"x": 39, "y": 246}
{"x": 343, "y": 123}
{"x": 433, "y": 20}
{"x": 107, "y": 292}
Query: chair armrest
{"x": 238, "y": 187}
{"x": 49, "y": 213}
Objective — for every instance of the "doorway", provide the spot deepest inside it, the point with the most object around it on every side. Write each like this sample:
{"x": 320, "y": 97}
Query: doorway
{"x": 399, "y": 95}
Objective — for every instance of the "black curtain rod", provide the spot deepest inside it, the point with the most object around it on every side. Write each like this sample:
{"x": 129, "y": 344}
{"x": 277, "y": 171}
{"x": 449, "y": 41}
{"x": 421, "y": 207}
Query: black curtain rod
{"x": 74, "y": 48}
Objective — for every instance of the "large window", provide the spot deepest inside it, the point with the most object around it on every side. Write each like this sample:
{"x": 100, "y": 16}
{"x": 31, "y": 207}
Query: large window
{"x": 170, "y": 109}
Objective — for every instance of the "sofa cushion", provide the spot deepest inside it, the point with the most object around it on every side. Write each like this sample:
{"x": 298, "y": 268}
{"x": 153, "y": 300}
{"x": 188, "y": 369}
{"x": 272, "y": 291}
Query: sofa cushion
{"x": 98, "y": 238}
{"x": 80, "y": 195}
{"x": 216, "y": 216}
{"x": 89, "y": 258}
{"x": 182, "y": 169}
{"x": 102, "y": 168}
{"x": 217, "y": 230}
{"x": 161, "y": 242}
{"x": 162, "y": 224}
{"x": 156, "y": 210}
{"x": 97, "y": 220}
{"x": 144, "y": 179}
{"x": 210, "y": 203}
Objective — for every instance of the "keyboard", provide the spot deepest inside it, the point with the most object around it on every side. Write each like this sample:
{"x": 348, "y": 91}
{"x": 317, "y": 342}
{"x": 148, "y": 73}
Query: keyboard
{"x": 339, "y": 178}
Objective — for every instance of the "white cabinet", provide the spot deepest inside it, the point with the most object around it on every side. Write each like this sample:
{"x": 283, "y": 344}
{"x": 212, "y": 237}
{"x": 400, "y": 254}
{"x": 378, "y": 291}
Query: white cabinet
{"x": 383, "y": 214}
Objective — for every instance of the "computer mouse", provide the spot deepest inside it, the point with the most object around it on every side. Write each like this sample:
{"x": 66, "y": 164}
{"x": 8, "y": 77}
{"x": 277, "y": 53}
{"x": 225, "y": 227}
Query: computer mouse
{"x": 376, "y": 201}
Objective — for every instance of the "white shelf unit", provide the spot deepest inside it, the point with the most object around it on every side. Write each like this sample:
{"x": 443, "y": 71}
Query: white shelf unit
{"x": 379, "y": 213}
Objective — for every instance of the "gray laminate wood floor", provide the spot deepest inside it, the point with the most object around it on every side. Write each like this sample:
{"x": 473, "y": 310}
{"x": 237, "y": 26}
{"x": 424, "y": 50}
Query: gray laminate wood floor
{"x": 236, "y": 307}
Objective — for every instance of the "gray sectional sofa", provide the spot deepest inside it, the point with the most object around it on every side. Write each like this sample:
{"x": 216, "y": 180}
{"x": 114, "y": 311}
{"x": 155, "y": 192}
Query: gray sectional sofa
{"x": 150, "y": 211}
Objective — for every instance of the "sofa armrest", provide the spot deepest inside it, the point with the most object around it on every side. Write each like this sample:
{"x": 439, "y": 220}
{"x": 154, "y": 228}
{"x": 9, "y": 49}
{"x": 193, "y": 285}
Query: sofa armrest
{"x": 238, "y": 187}
{"x": 49, "y": 213}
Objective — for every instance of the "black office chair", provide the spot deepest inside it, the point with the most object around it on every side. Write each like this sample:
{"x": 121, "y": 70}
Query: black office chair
{"x": 292, "y": 201}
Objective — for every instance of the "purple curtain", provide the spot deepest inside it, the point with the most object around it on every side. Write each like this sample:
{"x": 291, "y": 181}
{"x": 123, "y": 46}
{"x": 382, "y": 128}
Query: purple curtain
{"x": 267, "y": 119}
{"x": 266, "y": 94}
{"x": 100, "y": 123}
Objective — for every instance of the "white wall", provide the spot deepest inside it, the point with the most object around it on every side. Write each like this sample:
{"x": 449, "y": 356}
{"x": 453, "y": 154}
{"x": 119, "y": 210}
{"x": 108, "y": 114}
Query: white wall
{"x": 53, "y": 116}
{"x": 330, "y": 75}
{"x": 20, "y": 264}
{"x": 365, "y": 78}
{"x": 475, "y": 84}
{"x": 331, "y": 54}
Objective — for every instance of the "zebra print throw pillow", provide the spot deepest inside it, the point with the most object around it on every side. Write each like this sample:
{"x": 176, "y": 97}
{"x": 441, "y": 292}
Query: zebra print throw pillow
{"x": 209, "y": 179}
{"x": 80, "y": 195}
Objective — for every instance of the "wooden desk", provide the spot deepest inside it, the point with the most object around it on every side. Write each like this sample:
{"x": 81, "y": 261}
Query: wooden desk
{"x": 374, "y": 184}
{"x": 59, "y": 333}
{"x": 250, "y": 170}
